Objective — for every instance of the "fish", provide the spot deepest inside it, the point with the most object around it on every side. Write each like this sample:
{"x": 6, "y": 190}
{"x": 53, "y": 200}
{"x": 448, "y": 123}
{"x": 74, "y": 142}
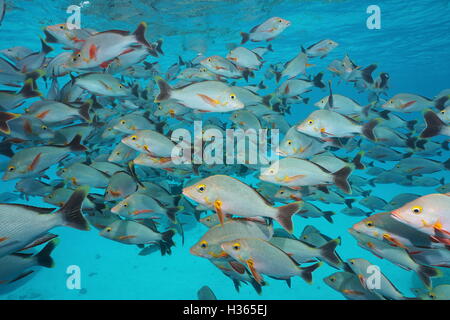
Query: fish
{"x": 440, "y": 292}
{"x": 321, "y": 49}
{"x": 348, "y": 284}
{"x": 16, "y": 266}
{"x": 262, "y": 257}
{"x": 407, "y": 102}
{"x": 303, "y": 252}
{"x": 23, "y": 224}
{"x": 206, "y": 96}
{"x": 2, "y": 10}
{"x": 205, "y": 293}
{"x": 31, "y": 162}
{"x": 245, "y": 58}
{"x": 225, "y": 68}
{"x": 294, "y": 173}
{"x": 434, "y": 126}
{"x": 150, "y": 142}
{"x": 131, "y": 232}
{"x": 101, "y": 48}
{"x": 266, "y": 31}
{"x": 386, "y": 289}
{"x": 427, "y": 214}
{"x": 294, "y": 67}
{"x": 102, "y": 84}
{"x": 142, "y": 206}
{"x": 396, "y": 255}
{"x": 325, "y": 124}
{"x": 11, "y": 99}
{"x": 208, "y": 246}
{"x": 219, "y": 192}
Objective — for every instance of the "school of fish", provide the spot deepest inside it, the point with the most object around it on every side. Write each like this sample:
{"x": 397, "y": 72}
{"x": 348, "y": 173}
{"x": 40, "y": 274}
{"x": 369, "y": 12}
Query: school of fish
{"x": 103, "y": 126}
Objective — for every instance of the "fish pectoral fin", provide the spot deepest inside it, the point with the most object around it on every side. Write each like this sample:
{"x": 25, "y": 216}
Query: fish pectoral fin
{"x": 293, "y": 178}
{"x": 3, "y": 239}
{"x": 238, "y": 267}
{"x": 353, "y": 292}
{"x": 136, "y": 212}
{"x": 35, "y": 161}
{"x": 218, "y": 209}
{"x": 209, "y": 100}
{"x": 126, "y": 237}
{"x": 255, "y": 274}
{"x": 406, "y": 105}
{"x": 393, "y": 241}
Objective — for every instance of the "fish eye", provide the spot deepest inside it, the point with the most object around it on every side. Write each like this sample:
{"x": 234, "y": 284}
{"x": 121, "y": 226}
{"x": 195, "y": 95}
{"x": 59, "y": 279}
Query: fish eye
{"x": 134, "y": 138}
{"x": 330, "y": 42}
{"x": 310, "y": 121}
{"x": 204, "y": 244}
{"x": 352, "y": 262}
{"x": 369, "y": 223}
{"x": 232, "y": 96}
{"x": 122, "y": 122}
{"x": 289, "y": 142}
{"x": 109, "y": 129}
{"x": 432, "y": 295}
{"x": 201, "y": 188}
{"x": 125, "y": 205}
{"x": 236, "y": 246}
{"x": 417, "y": 209}
{"x": 202, "y": 69}
{"x": 280, "y": 21}
{"x": 118, "y": 153}
{"x": 120, "y": 86}
{"x": 443, "y": 111}
{"x": 44, "y": 127}
{"x": 209, "y": 59}
{"x": 208, "y": 219}
{"x": 332, "y": 279}
{"x": 50, "y": 196}
{"x": 109, "y": 229}
{"x": 61, "y": 27}
{"x": 11, "y": 168}
{"x": 160, "y": 107}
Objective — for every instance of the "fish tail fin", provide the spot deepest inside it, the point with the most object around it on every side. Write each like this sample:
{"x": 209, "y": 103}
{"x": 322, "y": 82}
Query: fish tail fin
{"x": 4, "y": 118}
{"x": 43, "y": 257}
{"x": 366, "y": 73}
{"x": 367, "y": 129}
{"x": 45, "y": 47}
{"x": 349, "y": 202}
{"x": 328, "y": 215}
{"x": 366, "y": 109}
{"x": 158, "y": 48}
{"x": 28, "y": 90}
{"x": 357, "y": 161}
{"x": 269, "y": 47}
{"x": 410, "y": 124}
{"x": 84, "y": 110}
{"x": 171, "y": 213}
{"x": 306, "y": 272}
{"x": 256, "y": 286}
{"x": 245, "y": 37}
{"x": 329, "y": 255}
{"x": 277, "y": 75}
{"x": 75, "y": 144}
{"x": 434, "y": 125}
{"x": 140, "y": 34}
{"x": 440, "y": 103}
{"x": 267, "y": 99}
{"x": 71, "y": 211}
{"x": 164, "y": 90}
{"x": 285, "y": 213}
{"x": 34, "y": 75}
{"x": 426, "y": 272}
{"x": 340, "y": 179}
{"x": 167, "y": 241}
{"x": 317, "y": 80}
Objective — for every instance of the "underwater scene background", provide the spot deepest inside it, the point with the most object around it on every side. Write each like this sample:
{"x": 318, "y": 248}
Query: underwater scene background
{"x": 412, "y": 46}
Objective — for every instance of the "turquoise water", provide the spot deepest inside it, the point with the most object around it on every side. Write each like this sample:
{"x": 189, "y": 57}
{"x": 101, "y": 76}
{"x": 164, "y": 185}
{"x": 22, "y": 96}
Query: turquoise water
{"x": 412, "y": 46}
